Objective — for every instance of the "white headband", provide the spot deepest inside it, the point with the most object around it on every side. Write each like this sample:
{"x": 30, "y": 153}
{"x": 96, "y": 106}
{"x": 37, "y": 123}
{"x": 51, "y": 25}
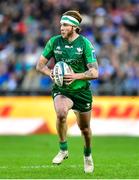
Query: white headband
{"x": 69, "y": 20}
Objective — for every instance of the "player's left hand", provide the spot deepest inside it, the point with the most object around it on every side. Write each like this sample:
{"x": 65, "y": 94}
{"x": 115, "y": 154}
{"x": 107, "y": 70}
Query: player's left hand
{"x": 69, "y": 78}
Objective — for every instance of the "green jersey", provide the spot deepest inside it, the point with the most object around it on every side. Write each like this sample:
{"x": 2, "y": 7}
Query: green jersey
{"x": 77, "y": 54}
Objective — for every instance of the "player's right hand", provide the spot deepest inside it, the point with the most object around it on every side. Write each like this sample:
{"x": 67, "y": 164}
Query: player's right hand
{"x": 52, "y": 75}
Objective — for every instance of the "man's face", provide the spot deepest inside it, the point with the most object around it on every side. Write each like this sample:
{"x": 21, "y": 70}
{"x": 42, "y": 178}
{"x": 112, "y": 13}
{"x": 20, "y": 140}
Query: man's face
{"x": 66, "y": 30}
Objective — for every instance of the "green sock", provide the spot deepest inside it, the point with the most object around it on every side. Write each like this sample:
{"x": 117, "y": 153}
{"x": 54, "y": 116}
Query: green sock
{"x": 63, "y": 146}
{"x": 87, "y": 151}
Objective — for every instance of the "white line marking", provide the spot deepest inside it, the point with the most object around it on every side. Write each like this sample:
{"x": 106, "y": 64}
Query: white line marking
{"x": 48, "y": 166}
{"x": 3, "y": 167}
{"x": 39, "y": 166}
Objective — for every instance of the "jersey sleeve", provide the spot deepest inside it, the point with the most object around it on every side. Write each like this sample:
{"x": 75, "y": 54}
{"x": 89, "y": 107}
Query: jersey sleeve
{"x": 48, "y": 50}
{"x": 89, "y": 52}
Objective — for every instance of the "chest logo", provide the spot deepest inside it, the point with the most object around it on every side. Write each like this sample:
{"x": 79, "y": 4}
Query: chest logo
{"x": 79, "y": 50}
{"x": 58, "y": 48}
{"x": 67, "y": 46}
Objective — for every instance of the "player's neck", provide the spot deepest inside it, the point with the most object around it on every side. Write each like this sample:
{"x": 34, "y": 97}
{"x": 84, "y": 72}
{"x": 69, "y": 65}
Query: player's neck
{"x": 73, "y": 37}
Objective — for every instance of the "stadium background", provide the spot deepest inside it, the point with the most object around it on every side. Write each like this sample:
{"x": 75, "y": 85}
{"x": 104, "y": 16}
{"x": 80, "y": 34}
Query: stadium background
{"x": 26, "y": 106}
{"x": 25, "y": 27}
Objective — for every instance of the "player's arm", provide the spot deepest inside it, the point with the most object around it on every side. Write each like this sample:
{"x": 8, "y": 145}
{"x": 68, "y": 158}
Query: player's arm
{"x": 42, "y": 66}
{"x": 46, "y": 55}
{"x": 91, "y": 61}
{"x": 92, "y": 72}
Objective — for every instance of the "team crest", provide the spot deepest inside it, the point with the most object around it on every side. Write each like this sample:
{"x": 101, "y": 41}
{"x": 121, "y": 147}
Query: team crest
{"x": 79, "y": 50}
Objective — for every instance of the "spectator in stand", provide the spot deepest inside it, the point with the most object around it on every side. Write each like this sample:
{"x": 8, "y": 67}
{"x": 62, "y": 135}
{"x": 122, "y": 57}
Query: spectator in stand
{"x": 111, "y": 25}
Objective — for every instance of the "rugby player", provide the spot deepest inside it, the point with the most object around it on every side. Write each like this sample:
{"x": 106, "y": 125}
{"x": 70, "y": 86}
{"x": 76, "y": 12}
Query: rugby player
{"x": 78, "y": 52}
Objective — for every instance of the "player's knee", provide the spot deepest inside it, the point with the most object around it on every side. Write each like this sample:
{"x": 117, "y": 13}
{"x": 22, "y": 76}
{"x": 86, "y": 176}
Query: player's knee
{"x": 85, "y": 131}
{"x": 62, "y": 114}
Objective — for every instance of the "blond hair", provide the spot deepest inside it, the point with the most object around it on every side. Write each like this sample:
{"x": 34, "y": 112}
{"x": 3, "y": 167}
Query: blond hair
{"x": 74, "y": 14}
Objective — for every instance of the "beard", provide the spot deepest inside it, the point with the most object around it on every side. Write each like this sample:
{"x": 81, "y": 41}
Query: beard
{"x": 68, "y": 34}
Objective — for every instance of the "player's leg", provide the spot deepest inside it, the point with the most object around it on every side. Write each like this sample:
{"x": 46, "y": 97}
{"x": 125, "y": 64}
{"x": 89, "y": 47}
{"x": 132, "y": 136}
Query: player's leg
{"x": 62, "y": 105}
{"x": 83, "y": 120}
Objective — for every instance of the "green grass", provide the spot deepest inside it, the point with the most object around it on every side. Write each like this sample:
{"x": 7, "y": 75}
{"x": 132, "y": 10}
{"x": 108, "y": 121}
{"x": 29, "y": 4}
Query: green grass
{"x": 29, "y": 157}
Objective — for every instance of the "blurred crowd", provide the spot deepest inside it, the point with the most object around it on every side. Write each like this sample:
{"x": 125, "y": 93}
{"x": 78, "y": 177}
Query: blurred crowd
{"x": 111, "y": 25}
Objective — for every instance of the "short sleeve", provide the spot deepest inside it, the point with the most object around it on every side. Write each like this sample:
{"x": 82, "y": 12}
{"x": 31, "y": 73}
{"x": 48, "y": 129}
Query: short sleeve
{"x": 48, "y": 50}
{"x": 89, "y": 52}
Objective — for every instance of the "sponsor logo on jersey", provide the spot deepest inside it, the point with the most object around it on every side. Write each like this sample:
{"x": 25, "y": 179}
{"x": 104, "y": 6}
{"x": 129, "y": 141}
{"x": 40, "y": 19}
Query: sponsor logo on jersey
{"x": 67, "y": 46}
{"x": 57, "y": 52}
{"x": 58, "y": 48}
{"x": 94, "y": 54}
{"x": 72, "y": 61}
